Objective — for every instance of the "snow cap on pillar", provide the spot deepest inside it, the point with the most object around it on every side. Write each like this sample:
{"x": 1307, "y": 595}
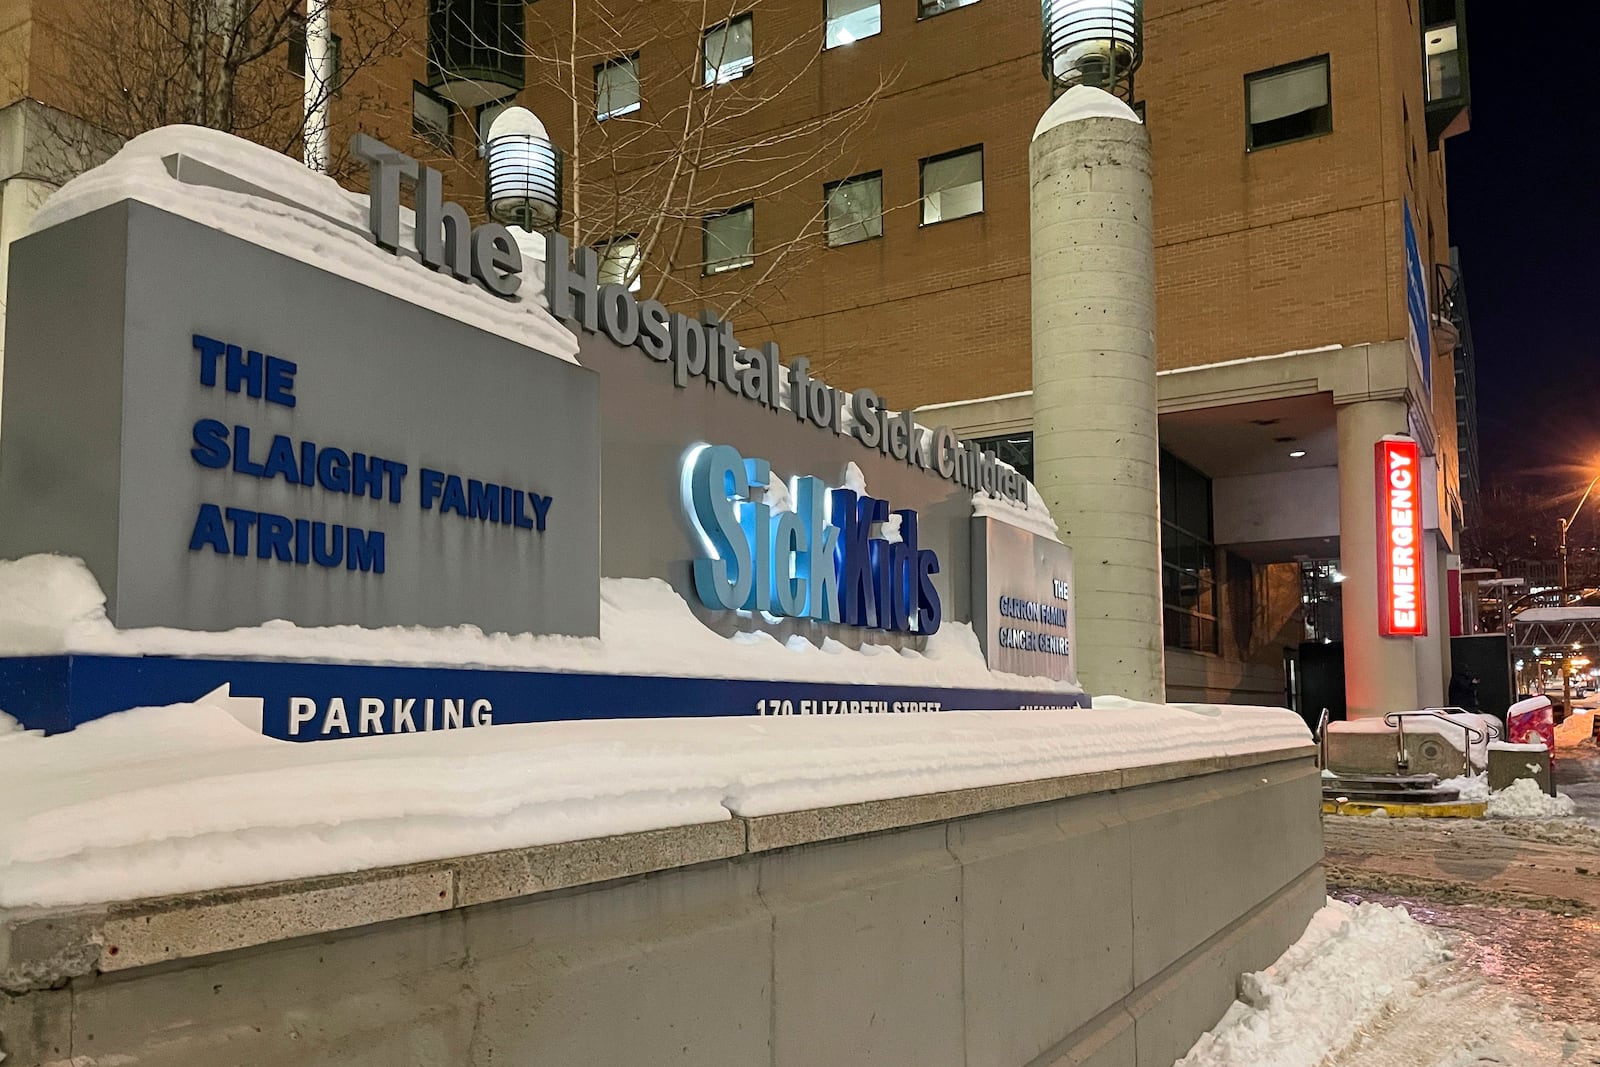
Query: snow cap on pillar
{"x": 1082, "y": 102}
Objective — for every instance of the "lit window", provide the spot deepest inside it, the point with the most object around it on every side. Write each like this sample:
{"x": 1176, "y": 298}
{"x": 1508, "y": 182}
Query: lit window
{"x": 952, "y": 185}
{"x": 1287, "y": 104}
{"x": 1444, "y": 63}
{"x": 929, "y": 8}
{"x": 728, "y": 50}
{"x": 619, "y": 262}
{"x": 851, "y": 20}
{"x": 728, "y": 239}
{"x": 855, "y": 209}
{"x": 616, "y": 87}
{"x": 431, "y": 118}
{"x": 1188, "y": 557}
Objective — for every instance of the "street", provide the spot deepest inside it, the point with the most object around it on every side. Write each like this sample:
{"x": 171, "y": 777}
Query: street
{"x": 1519, "y": 902}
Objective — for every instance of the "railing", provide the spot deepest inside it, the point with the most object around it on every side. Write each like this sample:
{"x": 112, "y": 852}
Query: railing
{"x": 1322, "y": 738}
{"x": 1402, "y": 759}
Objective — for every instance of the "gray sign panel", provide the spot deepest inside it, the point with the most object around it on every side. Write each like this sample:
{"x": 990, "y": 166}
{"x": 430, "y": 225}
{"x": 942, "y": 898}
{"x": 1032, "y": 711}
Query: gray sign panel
{"x": 1022, "y": 600}
{"x": 228, "y": 435}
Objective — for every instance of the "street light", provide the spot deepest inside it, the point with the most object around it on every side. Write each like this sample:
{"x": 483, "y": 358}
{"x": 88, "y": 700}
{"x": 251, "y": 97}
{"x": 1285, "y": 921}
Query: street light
{"x": 1093, "y": 42}
{"x": 1561, "y": 550}
{"x": 522, "y": 182}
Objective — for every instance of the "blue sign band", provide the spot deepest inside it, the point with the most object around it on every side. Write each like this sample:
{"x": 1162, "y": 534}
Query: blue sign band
{"x": 325, "y": 701}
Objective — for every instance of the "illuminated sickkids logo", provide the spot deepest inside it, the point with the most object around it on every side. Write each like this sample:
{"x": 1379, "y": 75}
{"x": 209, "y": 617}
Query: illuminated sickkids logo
{"x": 819, "y": 560}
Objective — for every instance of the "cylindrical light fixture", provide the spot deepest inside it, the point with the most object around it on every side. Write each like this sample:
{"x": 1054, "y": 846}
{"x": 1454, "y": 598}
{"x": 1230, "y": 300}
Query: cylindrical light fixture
{"x": 1093, "y": 42}
{"x": 522, "y": 181}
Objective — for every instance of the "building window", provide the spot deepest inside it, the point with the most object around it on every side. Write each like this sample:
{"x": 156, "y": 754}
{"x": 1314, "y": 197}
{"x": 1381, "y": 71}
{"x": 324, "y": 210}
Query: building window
{"x": 1013, "y": 448}
{"x": 926, "y": 9}
{"x": 1287, "y": 104}
{"x": 855, "y": 209}
{"x": 616, "y": 87}
{"x": 1444, "y": 62}
{"x": 728, "y": 239}
{"x": 1188, "y": 557}
{"x": 851, "y": 20}
{"x": 297, "y": 51}
{"x": 619, "y": 261}
{"x": 952, "y": 185}
{"x": 487, "y": 113}
{"x": 431, "y": 117}
{"x": 728, "y": 50}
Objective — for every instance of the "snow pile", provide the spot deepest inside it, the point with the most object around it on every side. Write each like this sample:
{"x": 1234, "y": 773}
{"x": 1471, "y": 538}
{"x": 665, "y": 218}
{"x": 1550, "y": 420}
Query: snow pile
{"x": 1523, "y": 799}
{"x": 1575, "y": 729}
{"x": 165, "y": 800}
{"x": 1352, "y": 963}
{"x": 1473, "y": 789}
{"x": 1083, "y": 102}
{"x": 307, "y": 216}
{"x": 1032, "y": 516}
{"x": 52, "y": 604}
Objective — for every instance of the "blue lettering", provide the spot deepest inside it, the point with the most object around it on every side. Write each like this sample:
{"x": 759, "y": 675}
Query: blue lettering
{"x": 397, "y": 473}
{"x": 242, "y": 519}
{"x": 208, "y": 530}
{"x": 244, "y": 371}
{"x": 430, "y": 480}
{"x": 280, "y": 460}
{"x": 483, "y": 500}
{"x": 210, "y": 351}
{"x": 334, "y": 553}
{"x": 333, "y": 471}
{"x": 211, "y": 444}
{"x": 541, "y": 509}
{"x": 272, "y": 537}
{"x": 302, "y": 541}
{"x": 280, "y": 381}
{"x": 714, "y": 482}
{"x": 364, "y": 550}
{"x": 366, "y": 476}
{"x": 455, "y": 497}
{"x": 241, "y": 453}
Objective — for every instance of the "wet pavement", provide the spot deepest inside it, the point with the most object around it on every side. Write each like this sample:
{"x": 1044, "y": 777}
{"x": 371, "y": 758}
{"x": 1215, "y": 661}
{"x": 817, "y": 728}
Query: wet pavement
{"x": 1518, "y": 899}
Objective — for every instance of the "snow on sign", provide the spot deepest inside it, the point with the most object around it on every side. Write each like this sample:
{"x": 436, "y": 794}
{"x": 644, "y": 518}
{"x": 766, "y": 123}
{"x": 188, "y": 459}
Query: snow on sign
{"x": 1399, "y": 505}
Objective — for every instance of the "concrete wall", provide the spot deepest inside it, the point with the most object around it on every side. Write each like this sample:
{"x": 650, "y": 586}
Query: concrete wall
{"x": 1100, "y": 920}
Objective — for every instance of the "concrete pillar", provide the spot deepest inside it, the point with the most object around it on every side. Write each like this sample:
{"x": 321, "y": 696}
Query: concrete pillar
{"x": 1380, "y": 673}
{"x": 1094, "y": 379}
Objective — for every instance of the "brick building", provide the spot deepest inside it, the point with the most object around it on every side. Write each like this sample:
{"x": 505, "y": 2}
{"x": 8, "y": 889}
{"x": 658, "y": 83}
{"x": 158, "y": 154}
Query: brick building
{"x": 861, "y": 197}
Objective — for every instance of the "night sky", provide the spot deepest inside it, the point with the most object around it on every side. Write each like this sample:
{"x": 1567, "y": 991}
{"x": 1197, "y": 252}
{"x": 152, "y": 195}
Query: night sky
{"x": 1525, "y": 213}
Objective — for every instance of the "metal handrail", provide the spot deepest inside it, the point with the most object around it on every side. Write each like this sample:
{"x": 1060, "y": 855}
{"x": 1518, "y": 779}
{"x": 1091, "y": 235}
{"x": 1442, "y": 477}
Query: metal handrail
{"x": 1321, "y": 736}
{"x": 1402, "y": 759}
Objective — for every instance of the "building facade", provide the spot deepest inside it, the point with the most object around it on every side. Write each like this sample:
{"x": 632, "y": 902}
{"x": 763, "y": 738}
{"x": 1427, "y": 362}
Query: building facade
{"x": 849, "y": 178}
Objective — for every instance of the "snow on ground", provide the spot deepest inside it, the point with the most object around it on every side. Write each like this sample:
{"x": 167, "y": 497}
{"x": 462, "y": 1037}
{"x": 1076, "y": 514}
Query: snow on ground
{"x": 182, "y": 798}
{"x": 1351, "y": 961}
{"x": 1368, "y": 986}
{"x": 1523, "y": 799}
{"x": 52, "y": 604}
{"x": 1474, "y": 789}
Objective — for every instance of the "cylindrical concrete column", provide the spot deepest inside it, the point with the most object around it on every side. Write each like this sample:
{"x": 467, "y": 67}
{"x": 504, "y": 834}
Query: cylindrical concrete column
{"x": 1094, "y": 379}
{"x": 1433, "y": 658}
{"x": 1380, "y": 673}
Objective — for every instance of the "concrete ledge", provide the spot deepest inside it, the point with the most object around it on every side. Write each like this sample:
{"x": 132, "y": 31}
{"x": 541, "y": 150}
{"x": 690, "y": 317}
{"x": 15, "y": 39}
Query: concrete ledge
{"x": 40, "y": 948}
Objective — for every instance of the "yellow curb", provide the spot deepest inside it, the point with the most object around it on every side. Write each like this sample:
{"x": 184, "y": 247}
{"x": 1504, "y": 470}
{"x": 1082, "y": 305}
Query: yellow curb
{"x": 1458, "y": 810}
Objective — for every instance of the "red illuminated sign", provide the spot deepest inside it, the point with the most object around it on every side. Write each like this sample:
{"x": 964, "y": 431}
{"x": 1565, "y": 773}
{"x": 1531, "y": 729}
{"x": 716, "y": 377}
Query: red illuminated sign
{"x": 1401, "y": 605}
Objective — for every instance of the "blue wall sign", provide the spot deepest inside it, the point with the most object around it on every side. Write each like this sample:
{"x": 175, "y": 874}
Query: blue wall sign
{"x": 317, "y": 702}
{"x": 820, "y": 561}
{"x": 1417, "y": 301}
